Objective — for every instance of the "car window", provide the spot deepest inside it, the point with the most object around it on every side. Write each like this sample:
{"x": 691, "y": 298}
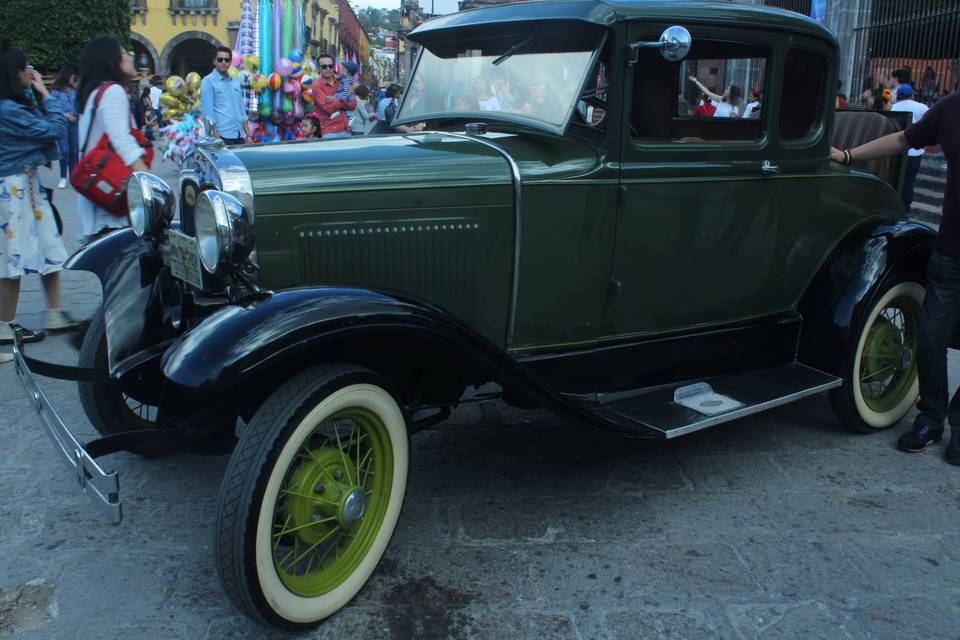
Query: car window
{"x": 715, "y": 95}
{"x": 533, "y": 77}
{"x": 801, "y": 109}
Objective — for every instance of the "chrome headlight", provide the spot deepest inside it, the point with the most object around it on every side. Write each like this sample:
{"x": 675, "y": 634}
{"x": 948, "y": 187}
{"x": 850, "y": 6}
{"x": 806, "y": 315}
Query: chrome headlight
{"x": 151, "y": 203}
{"x": 225, "y": 233}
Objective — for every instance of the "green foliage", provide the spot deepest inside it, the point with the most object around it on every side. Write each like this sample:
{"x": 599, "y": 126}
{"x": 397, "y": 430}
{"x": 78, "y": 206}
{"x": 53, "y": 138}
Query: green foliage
{"x": 371, "y": 18}
{"x": 54, "y": 33}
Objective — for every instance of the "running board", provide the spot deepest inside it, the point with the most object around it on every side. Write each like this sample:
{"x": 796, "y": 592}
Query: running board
{"x": 676, "y": 410}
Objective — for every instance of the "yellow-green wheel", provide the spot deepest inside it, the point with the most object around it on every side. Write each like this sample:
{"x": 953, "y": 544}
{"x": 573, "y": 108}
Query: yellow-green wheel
{"x": 880, "y": 383}
{"x": 311, "y": 496}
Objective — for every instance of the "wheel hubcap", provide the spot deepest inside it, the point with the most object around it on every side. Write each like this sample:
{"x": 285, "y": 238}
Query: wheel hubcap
{"x": 887, "y": 365}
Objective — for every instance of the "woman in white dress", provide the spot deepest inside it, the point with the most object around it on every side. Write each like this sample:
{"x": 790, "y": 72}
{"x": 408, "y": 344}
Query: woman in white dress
{"x": 29, "y": 239}
{"x": 104, "y": 61}
{"x": 728, "y": 105}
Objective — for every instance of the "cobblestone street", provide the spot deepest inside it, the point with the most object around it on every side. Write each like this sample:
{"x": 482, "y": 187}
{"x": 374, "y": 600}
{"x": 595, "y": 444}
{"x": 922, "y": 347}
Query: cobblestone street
{"x": 516, "y": 525}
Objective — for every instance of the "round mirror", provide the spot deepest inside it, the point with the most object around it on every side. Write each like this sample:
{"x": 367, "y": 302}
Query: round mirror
{"x": 676, "y": 42}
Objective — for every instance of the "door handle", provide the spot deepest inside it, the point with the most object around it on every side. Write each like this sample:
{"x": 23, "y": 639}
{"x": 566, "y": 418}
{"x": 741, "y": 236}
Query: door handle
{"x": 770, "y": 169}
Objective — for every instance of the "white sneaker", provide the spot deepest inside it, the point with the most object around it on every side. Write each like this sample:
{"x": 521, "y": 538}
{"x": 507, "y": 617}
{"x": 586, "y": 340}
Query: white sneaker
{"x": 62, "y": 184}
{"x": 58, "y": 319}
{"x": 5, "y": 357}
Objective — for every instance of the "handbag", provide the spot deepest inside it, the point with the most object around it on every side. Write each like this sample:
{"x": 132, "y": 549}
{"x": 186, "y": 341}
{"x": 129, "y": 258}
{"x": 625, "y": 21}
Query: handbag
{"x": 101, "y": 175}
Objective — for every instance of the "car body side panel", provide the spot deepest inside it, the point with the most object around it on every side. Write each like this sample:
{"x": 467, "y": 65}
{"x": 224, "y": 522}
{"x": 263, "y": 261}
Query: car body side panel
{"x": 429, "y": 215}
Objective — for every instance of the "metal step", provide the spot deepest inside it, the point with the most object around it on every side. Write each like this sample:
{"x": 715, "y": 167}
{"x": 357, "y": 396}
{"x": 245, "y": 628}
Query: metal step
{"x": 677, "y": 410}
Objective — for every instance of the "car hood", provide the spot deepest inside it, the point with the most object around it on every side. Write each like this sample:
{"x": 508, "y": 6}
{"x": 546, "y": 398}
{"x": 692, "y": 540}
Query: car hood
{"x": 384, "y": 163}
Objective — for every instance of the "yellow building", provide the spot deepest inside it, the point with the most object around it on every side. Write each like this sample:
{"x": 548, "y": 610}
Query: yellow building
{"x": 179, "y": 36}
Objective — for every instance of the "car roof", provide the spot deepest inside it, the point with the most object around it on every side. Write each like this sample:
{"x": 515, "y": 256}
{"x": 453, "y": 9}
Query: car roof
{"x": 607, "y": 12}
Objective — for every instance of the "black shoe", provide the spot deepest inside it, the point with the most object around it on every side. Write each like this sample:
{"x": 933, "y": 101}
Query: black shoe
{"x": 919, "y": 438}
{"x": 953, "y": 449}
{"x": 26, "y": 335}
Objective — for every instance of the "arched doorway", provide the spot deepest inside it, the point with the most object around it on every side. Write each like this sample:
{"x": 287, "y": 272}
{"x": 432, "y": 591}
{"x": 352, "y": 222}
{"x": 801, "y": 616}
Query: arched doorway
{"x": 144, "y": 54}
{"x": 190, "y": 51}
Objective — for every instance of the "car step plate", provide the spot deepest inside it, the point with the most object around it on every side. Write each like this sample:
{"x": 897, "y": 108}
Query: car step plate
{"x": 683, "y": 408}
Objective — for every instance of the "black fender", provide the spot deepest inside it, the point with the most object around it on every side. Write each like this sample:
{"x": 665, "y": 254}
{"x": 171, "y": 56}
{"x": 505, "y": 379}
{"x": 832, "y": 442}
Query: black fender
{"x": 846, "y": 285}
{"x": 130, "y": 270}
{"x": 252, "y": 346}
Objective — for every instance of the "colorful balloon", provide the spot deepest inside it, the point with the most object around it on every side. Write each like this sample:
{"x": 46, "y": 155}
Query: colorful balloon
{"x": 170, "y": 101}
{"x": 284, "y": 67}
{"x": 233, "y": 72}
{"x": 307, "y": 96}
{"x": 274, "y": 81}
{"x": 288, "y": 87}
{"x": 237, "y": 60}
{"x": 295, "y": 56}
{"x": 305, "y": 80}
{"x": 251, "y": 63}
{"x": 259, "y": 83}
{"x": 176, "y": 86}
{"x": 192, "y": 81}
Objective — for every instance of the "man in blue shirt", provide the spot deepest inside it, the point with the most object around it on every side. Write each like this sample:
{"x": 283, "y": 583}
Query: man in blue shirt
{"x": 221, "y": 99}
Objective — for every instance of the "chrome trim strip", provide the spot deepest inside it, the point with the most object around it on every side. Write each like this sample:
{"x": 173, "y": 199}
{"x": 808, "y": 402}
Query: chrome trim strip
{"x": 102, "y": 487}
{"x": 757, "y": 408}
{"x": 518, "y": 211}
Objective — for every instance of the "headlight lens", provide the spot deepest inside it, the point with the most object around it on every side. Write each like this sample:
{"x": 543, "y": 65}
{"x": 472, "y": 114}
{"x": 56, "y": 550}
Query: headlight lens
{"x": 225, "y": 233}
{"x": 151, "y": 203}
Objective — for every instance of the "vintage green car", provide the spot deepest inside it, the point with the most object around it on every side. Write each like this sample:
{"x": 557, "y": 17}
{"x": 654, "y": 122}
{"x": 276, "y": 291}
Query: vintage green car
{"x": 568, "y": 229}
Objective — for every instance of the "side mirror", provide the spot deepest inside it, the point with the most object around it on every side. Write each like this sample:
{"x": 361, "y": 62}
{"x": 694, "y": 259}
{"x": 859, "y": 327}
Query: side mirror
{"x": 674, "y": 45}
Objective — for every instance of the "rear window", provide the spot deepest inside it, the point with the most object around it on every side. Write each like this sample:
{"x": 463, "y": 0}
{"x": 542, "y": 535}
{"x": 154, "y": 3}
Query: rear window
{"x": 801, "y": 104}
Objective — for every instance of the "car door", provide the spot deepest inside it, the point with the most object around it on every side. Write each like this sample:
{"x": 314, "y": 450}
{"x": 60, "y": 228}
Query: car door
{"x": 713, "y": 231}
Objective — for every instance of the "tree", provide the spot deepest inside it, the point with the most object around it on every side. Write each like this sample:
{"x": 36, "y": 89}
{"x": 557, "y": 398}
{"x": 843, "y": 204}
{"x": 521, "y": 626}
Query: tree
{"x": 53, "y": 34}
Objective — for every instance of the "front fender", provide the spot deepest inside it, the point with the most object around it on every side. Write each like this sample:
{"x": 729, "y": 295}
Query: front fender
{"x": 236, "y": 341}
{"x": 129, "y": 270}
{"x": 844, "y": 288}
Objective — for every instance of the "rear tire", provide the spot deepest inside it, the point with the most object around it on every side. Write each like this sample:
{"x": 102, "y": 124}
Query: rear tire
{"x": 311, "y": 496}
{"x": 880, "y": 382}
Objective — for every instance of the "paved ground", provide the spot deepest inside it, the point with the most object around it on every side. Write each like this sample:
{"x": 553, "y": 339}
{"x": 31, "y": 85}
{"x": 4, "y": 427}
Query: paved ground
{"x": 517, "y": 525}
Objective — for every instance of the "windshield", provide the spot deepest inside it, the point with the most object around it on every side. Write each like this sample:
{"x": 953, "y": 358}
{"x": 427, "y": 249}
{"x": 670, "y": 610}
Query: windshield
{"x": 527, "y": 82}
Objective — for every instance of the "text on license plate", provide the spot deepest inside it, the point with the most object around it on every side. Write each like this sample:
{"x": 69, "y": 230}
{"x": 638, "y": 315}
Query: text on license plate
{"x": 185, "y": 259}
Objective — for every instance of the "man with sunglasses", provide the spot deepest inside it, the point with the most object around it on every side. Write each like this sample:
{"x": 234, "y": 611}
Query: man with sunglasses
{"x": 221, "y": 99}
{"x": 331, "y": 111}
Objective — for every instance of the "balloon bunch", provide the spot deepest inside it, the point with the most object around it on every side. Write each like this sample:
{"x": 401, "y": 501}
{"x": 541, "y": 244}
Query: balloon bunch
{"x": 178, "y": 140}
{"x": 182, "y": 96}
{"x": 279, "y": 78}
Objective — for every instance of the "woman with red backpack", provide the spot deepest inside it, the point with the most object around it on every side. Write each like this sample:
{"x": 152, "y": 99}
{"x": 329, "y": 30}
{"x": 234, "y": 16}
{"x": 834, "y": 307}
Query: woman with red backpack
{"x": 105, "y": 70}
{"x": 29, "y": 239}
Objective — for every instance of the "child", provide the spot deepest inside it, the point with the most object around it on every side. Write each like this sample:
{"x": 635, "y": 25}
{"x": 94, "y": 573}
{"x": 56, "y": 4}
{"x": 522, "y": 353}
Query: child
{"x": 347, "y": 70}
{"x": 310, "y": 127}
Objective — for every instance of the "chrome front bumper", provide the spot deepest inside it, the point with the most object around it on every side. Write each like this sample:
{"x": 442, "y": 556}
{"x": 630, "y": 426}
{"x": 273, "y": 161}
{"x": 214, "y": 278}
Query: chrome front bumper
{"x": 102, "y": 487}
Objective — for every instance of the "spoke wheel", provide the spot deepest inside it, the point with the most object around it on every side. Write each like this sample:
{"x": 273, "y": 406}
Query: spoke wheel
{"x": 881, "y": 383}
{"x": 311, "y": 496}
{"x": 332, "y": 503}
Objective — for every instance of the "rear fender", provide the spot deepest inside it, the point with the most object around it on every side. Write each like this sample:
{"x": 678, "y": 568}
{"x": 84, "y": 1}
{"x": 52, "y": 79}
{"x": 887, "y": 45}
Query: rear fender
{"x": 845, "y": 287}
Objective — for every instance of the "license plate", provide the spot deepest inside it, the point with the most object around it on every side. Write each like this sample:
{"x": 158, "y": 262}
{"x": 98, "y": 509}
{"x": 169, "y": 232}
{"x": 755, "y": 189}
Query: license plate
{"x": 185, "y": 259}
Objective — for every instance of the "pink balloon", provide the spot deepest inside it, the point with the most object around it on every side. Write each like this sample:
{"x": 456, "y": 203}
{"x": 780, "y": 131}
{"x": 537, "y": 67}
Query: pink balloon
{"x": 237, "y": 60}
{"x": 284, "y": 67}
{"x": 288, "y": 87}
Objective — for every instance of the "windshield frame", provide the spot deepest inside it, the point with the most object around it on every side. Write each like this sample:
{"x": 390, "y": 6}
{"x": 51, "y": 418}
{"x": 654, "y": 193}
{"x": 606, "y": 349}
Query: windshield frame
{"x": 508, "y": 117}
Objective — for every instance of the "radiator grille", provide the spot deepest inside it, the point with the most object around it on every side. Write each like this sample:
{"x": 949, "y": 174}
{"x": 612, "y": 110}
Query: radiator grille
{"x": 434, "y": 260}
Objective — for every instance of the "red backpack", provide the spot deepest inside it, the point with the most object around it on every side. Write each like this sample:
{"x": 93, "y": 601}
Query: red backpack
{"x": 101, "y": 175}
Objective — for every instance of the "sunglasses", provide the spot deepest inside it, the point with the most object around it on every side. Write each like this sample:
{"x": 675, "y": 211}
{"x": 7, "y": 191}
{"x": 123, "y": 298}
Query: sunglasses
{"x": 223, "y": 59}
{"x": 325, "y": 66}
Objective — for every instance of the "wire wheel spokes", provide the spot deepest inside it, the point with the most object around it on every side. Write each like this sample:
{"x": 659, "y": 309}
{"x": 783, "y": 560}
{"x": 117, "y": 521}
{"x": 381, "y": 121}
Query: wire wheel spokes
{"x": 142, "y": 410}
{"x": 331, "y": 502}
{"x": 888, "y": 361}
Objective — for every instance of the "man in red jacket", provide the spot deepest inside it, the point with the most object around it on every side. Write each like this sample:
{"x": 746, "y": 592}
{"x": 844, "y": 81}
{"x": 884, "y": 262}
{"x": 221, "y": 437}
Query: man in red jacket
{"x": 331, "y": 111}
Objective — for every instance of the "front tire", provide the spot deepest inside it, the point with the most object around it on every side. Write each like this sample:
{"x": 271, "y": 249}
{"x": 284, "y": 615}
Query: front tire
{"x": 107, "y": 407}
{"x": 311, "y": 496}
{"x": 880, "y": 376}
